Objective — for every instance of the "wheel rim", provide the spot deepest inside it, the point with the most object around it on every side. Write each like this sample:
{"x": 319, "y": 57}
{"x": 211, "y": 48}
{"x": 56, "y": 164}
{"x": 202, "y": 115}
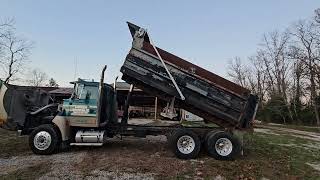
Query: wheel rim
{"x": 42, "y": 140}
{"x": 223, "y": 146}
{"x": 186, "y": 144}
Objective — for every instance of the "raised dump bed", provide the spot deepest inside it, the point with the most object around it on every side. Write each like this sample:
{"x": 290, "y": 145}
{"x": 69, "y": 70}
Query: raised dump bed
{"x": 206, "y": 94}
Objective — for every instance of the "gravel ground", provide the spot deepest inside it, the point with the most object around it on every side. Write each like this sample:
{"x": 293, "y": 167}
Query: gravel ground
{"x": 130, "y": 158}
{"x": 148, "y": 158}
{"x": 65, "y": 165}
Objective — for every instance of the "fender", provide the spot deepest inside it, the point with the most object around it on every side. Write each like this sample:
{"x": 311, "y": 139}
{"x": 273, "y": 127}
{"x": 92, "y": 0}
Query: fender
{"x": 63, "y": 125}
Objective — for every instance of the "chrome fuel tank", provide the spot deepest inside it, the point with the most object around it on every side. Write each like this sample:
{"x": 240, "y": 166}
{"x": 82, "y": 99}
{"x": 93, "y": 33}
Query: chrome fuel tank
{"x": 89, "y": 136}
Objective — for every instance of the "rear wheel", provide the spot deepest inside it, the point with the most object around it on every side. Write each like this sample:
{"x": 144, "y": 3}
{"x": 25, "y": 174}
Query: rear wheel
{"x": 44, "y": 139}
{"x": 185, "y": 144}
{"x": 222, "y": 145}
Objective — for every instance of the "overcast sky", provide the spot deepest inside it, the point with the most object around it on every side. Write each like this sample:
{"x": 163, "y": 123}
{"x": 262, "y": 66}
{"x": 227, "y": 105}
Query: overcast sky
{"x": 95, "y": 33}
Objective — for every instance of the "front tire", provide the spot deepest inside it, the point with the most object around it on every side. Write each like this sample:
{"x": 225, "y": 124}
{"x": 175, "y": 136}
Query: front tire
{"x": 185, "y": 144}
{"x": 44, "y": 139}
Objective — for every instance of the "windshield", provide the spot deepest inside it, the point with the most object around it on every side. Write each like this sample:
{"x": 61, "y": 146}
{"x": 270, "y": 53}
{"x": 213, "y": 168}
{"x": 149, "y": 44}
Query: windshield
{"x": 90, "y": 91}
{"x": 84, "y": 92}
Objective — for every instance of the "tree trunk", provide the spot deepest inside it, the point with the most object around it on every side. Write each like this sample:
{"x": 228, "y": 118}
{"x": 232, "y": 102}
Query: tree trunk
{"x": 313, "y": 98}
{"x": 296, "y": 101}
{"x": 10, "y": 74}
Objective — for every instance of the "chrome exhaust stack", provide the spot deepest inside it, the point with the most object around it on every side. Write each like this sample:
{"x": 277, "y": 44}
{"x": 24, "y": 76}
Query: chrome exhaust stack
{"x": 101, "y": 90}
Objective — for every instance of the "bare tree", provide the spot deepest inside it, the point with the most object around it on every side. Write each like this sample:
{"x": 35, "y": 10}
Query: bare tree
{"x": 5, "y": 26}
{"x": 306, "y": 35}
{"x": 14, "y": 51}
{"x": 277, "y": 66}
{"x": 285, "y": 72}
{"x": 317, "y": 15}
{"x": 298, "y": 72}
{"x": 238, "y": 72}
{"x": 37, "y": 78}
{"x": 259, "y": 74}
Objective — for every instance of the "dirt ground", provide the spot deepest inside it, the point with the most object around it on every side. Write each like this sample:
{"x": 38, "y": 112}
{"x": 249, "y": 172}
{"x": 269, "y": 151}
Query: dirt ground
{"x": 269, "y": 154}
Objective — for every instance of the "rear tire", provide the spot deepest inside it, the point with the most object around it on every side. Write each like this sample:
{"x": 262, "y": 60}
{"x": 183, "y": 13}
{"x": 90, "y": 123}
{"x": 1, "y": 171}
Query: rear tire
{"x": 210, "y": 134}
{"x": 44, "y": 139}
{"x": 185, "y": 144}
{"x": 222, "y": 145}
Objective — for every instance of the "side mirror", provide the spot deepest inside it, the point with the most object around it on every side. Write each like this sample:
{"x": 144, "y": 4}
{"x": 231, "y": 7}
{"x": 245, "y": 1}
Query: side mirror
{"x": 73, "y": 95}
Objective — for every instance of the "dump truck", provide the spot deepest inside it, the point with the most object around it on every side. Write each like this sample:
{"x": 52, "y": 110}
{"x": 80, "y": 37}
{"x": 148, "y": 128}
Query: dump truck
{"x": 89, "y": 117}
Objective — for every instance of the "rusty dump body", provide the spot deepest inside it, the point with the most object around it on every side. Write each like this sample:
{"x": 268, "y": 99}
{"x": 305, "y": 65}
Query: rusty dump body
{"x": 207, "y": 95}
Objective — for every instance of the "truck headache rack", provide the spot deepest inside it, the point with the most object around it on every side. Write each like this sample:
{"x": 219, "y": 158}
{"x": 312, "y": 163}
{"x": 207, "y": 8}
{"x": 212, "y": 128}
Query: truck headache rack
{"x": 207, "y": 95}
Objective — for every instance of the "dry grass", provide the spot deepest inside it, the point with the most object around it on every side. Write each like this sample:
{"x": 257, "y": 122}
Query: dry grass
{"x": 266, "y": 155}
{"x": 12, "y": 145}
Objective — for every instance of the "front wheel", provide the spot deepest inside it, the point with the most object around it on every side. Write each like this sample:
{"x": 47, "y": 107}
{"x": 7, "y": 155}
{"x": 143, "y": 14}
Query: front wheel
{"x": 185, "y": 144}
{"x": 44, "y": 139}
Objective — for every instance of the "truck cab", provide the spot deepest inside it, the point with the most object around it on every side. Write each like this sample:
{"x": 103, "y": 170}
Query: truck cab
{"x": 82, "y": 119}
{"x": 83, "y": 101}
